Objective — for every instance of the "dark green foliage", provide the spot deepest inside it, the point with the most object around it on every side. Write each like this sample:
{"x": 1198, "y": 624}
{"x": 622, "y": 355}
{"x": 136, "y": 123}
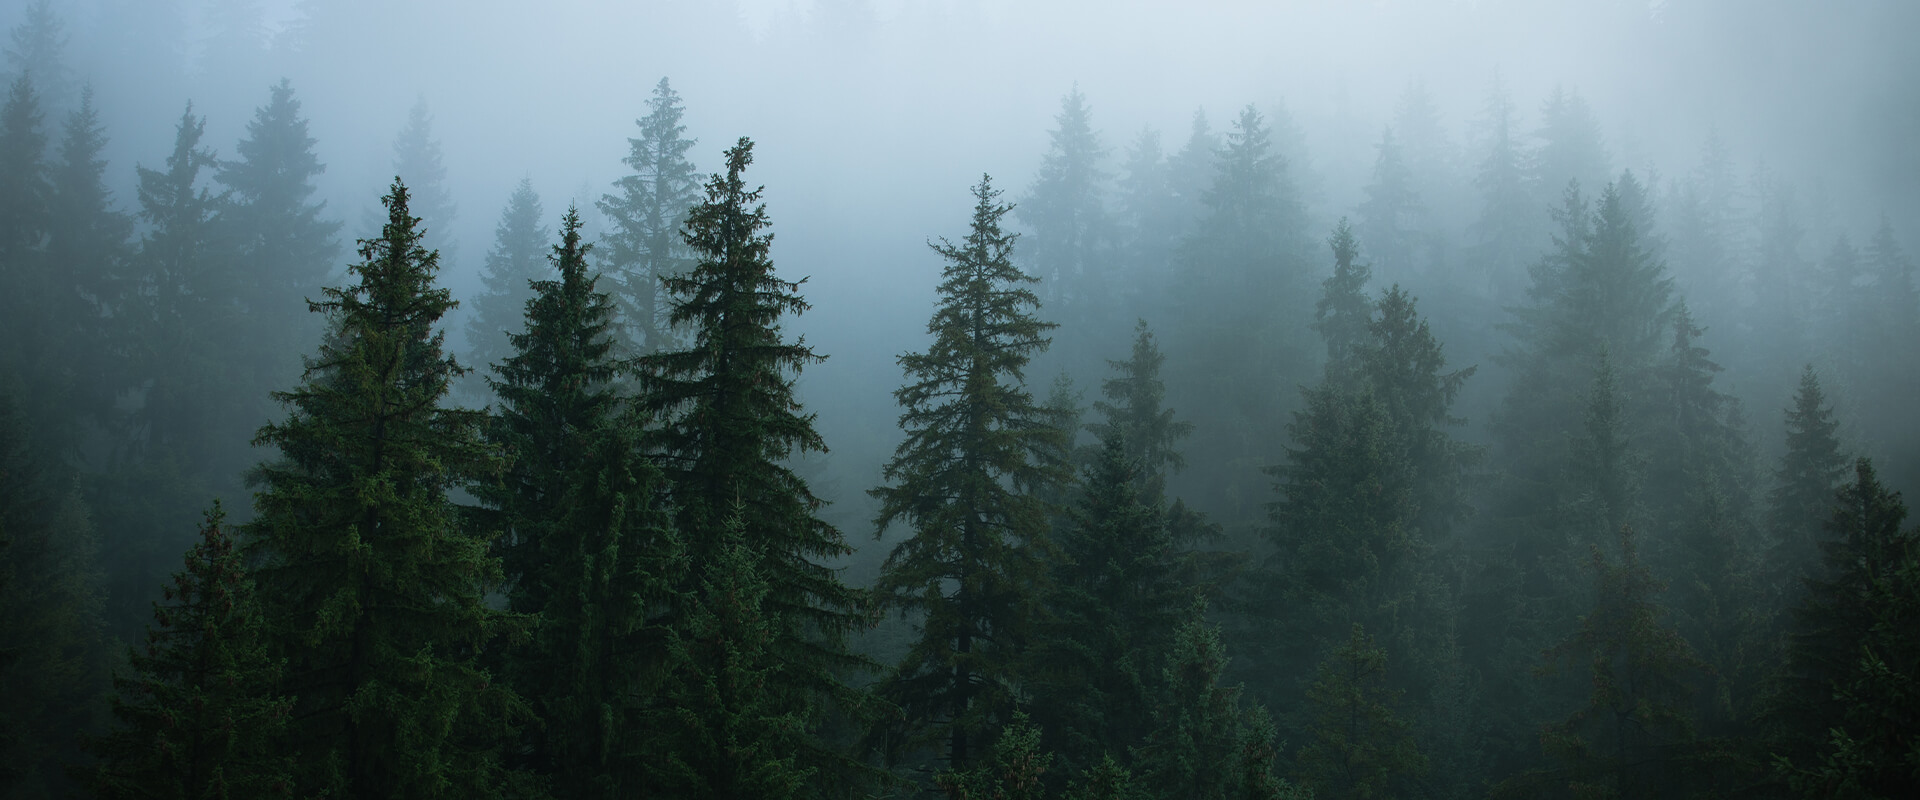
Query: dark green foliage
{"x": 1015, "y": 769}
{"x": 198, "y": 715}
{"x": 732, "y": 730}
{"x": 1115, "y": 600}
{"x": 1801, "y": 500}
{"x": 1205, "y": 744}
{"x": 1634, "y": 736}
{"x": 977, "y": 449}
{"x": 1107, "y": 780}
{"x": 1343, "y": 312}
{"x": 373, "y": 579}
{"x": 518, "y": 258}
{"x": 24, "y": 211}
{"x": 1847, "y": 706}
{"x": 52, "y": 664}
{"x": 1359, "y": 745}
{"x": 647, "y": 209}
{"x": 588, "y": 544}
{"x": 730, "y": 426}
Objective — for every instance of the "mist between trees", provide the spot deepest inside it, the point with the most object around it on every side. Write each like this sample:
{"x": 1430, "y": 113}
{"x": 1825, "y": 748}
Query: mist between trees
{"x": 1457, "y": 435}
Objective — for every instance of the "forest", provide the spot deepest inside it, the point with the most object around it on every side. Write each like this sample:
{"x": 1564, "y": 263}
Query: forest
{"x": 1469, "y": 399}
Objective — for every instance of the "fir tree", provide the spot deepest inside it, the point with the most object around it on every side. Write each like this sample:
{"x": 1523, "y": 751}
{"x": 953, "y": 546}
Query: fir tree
{"x": 647, "y": 209}
{"x": 1205, "y": 744}
{"x": 416, "y": 160}
{"x": 1634, "y": 737}
{"x": 730, "y": 425}
{"x": 733, "y": 732}
{"x": 1115, "y": 599}
{"x": 52, "y": 666}
{"x": 1015, "y": 770}
{"x": 518, "y": 258}
{"x": 1135, "y": 414}
{"x": 588, "y": 544}
{"x": 1388, "y": 216}
{"x": 87, "y": 243}
{"x": 1343, "y": 312}
{"x": 1508, "y": 229}
{"x": 24, "y": 210}
{"x": 198, "y": 716}
{"x": 1066, "y": 210}
{"x": 1844, "y": 711}
{"x": 1146, "y": 210}
{"x": 286, "y": 246}
{"x": 1801, "y": 499}
{"x": 34, "y": 49}
{"x": 373, "y": 578}
{"x": 977, "y": 448}
{"x": 1360, "y": 747}
{"x": 1572, "y": 147}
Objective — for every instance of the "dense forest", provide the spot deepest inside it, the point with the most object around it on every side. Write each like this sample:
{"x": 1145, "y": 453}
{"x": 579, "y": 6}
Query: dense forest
{"x": 1392, "y": 445}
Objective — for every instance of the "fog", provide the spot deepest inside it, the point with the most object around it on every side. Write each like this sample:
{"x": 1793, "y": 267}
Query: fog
{"x": 872, "y": 118}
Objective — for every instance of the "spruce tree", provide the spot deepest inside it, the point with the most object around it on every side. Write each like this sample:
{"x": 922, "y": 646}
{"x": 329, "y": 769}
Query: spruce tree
{"x": 34, "y": 48}
{"x": 1066, "y": 210}
{"x": 977, "y": 450}
{"x": 1114, "y": 601}
{"x": 1360, "y": 747}
{"x": 1801, "y": 499}
{"x": 729, "y": 427}
{"x": 1634, "y": 736}
{"x": 87, "y": 251}
{"x": 417, "y": 161}
{"x": 52, "y": 665}
{"x": 199, "y": 716}
{"x": 1844, "y": 712}
{"x": 518, "y": 258}
{"x": 646, "y": 211}
{"x": 1149, "y": 226}
{"x": 1572, "y": 146}
{"x": 1134, "y": 413}
{"x": 1343, "y": 312}
{"x": 1206, "y": 743}
{"x": 286, "y": 246}
{"x": 588, "y": 544}
{"x": 375, "y": 581}
{"x": 1509, "y": 228}
{"x": 1389, "y": 216}
{"x": 24, "y": 211}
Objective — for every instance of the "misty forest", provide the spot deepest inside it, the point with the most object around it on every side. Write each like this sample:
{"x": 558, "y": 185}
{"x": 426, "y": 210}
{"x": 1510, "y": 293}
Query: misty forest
{"x": 1396, "y": 399}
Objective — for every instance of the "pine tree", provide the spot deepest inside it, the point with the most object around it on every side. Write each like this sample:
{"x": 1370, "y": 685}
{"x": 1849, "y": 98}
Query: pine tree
{"x": 1066, "y": 210}
{"x": 1206, "y": 744}
{"x": 1343, "y": 312}
{"x": 1149, "y": 226}
{"x": 518, "y": 258}
{"x": 1634, "y": 737}
{"x": 1115, "y": 599}
{"x": 1389, "y": 214}
{"x": 1360, "y": 746}
{"x": 35, "y": 50}
{"x": 24, "y": 211}
{"x": 88, "y": 246}
{"x": 1801, "y": 499}
{"x": 730, "y": 425}
{"x": 588, "y": 547}
{"x": 1135, "y": 414}
{"x": 1015, "y": 770}
{"x": 1845, "y": 710}
{"x": 52, "y": 664}
{"x": 1509, "y": 228}
{"x": 647, "y": 209}
{"x": 417, "y": 161}
{"x": 1572, "y": 147}
{"x": 374, "y": 579}
{"x": 733, "y": 733}
{"x": 286, "y": 246}
{"x": 198, "y": 716}
{"x": 977, "y": 449}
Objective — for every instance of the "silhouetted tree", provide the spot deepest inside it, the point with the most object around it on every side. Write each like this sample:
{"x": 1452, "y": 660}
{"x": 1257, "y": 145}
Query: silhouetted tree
{"x": 646, "y": 211}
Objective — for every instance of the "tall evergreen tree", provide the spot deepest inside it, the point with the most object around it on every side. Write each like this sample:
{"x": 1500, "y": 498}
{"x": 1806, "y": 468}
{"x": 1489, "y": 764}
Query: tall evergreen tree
{"x": 730, "y": 426}
{"x": 417, "y": 161}
{"x": 518, "y": 258}
{"x": 1066, "y": 210}
{"x": 977, "y": 449}
{"x": 1343, "y": 312}
{"x": 1135, "y": 414}
{"x": 1508, "y": 231}
{"x": 199, "y": 716}
{"x": 1206, "y": 743}
{"x": 1360, "y": 746}
{"x": 287, "y": 247}
{"x": 1844, "y": 713}
{"x": 1149, "y": 228}
{"x": 1389, "y": 216}
{"x": 1801, "y": 499}
{"x": 52, "y": 664}
{"x": 35, "y": 48}
{"x": 87, "y": 252}
{"x": 374, "y": 579}
{"x": 647, "y": 210}
{"x": 24, "y": 211}
{"x": 1572, "y": 146}
{"x": 588, "y": 546}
